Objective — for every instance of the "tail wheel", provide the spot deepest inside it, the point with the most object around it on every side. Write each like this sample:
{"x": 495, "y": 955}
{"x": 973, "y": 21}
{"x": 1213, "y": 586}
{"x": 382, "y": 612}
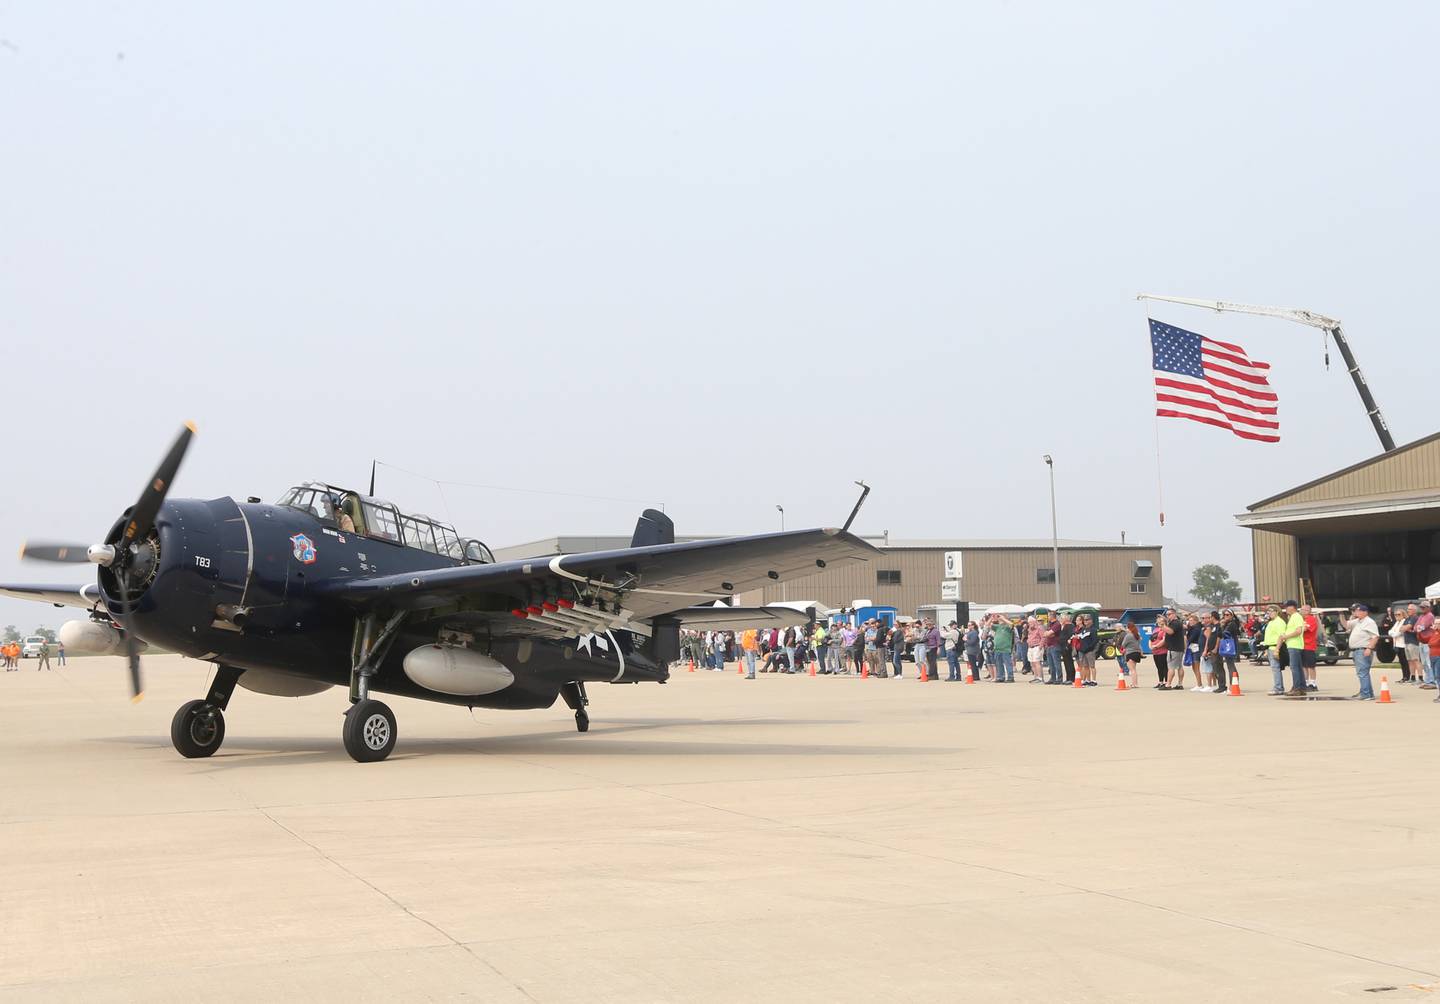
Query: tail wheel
{"x": 369, "y": 731}
{"x": 198, "y": 729}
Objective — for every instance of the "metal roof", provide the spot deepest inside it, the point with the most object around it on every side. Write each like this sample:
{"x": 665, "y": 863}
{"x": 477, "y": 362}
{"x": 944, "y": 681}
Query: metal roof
{"x": 1377, "y": 458}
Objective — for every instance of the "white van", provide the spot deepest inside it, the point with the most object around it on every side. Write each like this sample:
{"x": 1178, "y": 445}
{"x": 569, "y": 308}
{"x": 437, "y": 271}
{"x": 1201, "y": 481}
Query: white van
{"x": 30, "y": 647}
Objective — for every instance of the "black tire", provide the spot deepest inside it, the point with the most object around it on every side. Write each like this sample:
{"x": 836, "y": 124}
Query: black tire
{"x": 369, "y": 731}
{"x": 197, "y": 730}
{"x": 1110, "y": 652}
{"x": 582, "y": 721}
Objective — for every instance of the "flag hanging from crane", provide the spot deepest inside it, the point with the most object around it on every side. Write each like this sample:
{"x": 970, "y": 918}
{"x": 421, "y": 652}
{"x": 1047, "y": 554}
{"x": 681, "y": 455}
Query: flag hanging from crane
{"x": 1212, "y": 382}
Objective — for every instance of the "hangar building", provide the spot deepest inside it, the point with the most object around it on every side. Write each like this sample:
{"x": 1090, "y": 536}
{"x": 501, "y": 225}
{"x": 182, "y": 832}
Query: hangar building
{"x": 1369, "y": 532}
{"x": 909, "y": 573}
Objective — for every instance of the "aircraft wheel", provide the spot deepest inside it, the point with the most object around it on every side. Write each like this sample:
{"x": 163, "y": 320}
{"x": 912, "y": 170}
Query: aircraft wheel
{"x": 369, "y": 731}
{"x": 197, "y": 729}
{"x": 582, "y": 721}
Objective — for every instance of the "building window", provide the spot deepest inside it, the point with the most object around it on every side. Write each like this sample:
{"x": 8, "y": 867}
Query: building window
{"x": 1044, "y": 576}
{"x": 1137, "y": 587}
{"x": 887, "y": 577}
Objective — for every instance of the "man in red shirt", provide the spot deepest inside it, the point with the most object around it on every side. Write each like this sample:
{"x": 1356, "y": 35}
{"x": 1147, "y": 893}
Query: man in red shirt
{"x": 1310, "y": 640}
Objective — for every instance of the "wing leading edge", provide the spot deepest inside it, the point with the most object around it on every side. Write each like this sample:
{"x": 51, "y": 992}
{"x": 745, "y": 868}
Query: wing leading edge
{"x": 61, "y": 596}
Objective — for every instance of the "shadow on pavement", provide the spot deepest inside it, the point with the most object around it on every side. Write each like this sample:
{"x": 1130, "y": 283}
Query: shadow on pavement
{"x": 603, "y": 739}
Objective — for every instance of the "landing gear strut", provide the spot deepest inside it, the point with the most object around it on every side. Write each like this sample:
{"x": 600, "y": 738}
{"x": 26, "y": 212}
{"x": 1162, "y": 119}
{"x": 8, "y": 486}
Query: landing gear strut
{"x": 369, "y": 732}
{"x": 574, "y": 694}
{"x": 198, "y": 728}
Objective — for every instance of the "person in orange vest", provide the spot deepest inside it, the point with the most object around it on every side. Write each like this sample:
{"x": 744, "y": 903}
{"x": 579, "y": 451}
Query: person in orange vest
{"x": 749, "y": 646}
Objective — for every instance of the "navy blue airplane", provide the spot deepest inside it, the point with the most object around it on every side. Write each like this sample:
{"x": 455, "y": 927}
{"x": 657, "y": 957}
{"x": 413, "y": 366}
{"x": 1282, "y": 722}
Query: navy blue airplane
{"x": 330, "y": 587}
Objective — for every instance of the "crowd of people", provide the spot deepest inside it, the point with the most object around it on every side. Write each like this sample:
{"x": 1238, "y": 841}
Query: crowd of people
{"x": 1054, "y": 652}
{"x": 1198, "y": 652}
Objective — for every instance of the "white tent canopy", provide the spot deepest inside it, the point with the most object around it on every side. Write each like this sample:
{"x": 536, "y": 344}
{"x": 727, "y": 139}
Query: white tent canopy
{"x": 1432, "y": 591}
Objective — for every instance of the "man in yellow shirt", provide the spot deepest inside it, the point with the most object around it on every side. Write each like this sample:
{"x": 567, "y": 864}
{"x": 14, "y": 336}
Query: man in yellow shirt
{"x": 1293, "y": 638}
{"x": 1274, "y": 630}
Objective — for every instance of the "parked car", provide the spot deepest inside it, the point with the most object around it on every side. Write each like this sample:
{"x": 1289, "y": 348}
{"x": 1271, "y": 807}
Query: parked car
{"x": 30, "y": 647}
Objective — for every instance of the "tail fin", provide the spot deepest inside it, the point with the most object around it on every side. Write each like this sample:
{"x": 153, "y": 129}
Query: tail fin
{"x": 653, "y": 527}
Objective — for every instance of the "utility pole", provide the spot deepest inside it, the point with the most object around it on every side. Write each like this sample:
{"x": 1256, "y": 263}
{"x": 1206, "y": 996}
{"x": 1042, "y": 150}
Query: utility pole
{"x": 1054, "y": 528}
{"x": 1327, "y": 324}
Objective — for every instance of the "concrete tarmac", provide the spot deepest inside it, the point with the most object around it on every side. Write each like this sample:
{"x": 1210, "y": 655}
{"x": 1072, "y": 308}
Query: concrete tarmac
{"x": 781, "y": 839}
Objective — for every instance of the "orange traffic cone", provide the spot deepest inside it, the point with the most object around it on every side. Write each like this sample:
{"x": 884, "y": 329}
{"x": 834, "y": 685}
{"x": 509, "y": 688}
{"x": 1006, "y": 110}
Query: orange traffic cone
{"x": 1120, "y": 683}
{"x": 1235, "y": 684}
{"x": 813, "y": 664}
{"x": 692, "y": 665}
{"x": 969, "y": 673}
{"x": 924, "y": 672}
{"x": 740, "y": 667}
{"x": 1384, "y": 697}
{"x": 1079, "y": 681}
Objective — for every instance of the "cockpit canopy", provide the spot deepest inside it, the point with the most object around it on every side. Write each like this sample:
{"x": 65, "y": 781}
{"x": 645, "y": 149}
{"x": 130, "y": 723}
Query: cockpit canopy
{"x": 381, "y": 520}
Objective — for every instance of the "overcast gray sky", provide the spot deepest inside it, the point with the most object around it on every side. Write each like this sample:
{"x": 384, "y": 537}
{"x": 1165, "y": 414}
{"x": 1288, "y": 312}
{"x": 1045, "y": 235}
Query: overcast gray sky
{"x": 721, "y": 256}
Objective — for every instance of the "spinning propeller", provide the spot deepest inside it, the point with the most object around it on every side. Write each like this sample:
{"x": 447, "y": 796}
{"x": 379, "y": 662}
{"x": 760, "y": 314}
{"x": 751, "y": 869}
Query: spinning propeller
{"x": 133, "y": 557}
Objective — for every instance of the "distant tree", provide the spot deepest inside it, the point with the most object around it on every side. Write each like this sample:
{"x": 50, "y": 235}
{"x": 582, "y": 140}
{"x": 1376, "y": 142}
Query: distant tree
{"x": 47, "y": 633}
{"x": 1214, "y": 586}
{"x": 10, "y": 633}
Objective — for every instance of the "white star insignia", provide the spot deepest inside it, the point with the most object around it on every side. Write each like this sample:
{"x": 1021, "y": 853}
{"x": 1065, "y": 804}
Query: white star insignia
{"x": 586, "y": 640}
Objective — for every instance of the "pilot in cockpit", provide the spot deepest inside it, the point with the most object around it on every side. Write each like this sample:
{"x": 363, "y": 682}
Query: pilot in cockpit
{"x": 347, "y": 525}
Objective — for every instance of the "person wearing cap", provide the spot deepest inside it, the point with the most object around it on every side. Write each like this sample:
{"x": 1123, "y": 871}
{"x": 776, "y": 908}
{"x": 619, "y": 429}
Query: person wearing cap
{"x": 1292, "y": 637}
{"x": 1174, "y": 650}
{"x": 1309, "y": 649}
{"x": 1364, "y": 635}
{"x": 1424, "y": 624}
{"x": 951, "y": 639}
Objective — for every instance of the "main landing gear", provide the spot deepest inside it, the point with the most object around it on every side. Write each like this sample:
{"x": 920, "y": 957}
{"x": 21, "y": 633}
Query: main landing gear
{"x": 369, "y": 731}
{"x": 574, "y": 694}
{"x": 198, "y": 728}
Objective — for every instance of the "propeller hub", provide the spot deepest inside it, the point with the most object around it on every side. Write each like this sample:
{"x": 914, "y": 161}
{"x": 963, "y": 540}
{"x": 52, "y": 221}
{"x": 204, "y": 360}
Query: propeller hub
{"x": 100, "y": 554}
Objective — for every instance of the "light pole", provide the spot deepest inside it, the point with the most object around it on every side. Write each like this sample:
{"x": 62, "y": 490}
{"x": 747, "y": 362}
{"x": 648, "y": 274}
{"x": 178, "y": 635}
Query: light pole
{"x": 1054, "y": 527}
{"x": 784, "y": 588}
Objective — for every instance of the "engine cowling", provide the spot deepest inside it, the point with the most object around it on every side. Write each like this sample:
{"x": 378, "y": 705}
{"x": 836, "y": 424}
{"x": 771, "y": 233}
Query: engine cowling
{"x": 447, "y": 669}
{"x": 93, "y": 638}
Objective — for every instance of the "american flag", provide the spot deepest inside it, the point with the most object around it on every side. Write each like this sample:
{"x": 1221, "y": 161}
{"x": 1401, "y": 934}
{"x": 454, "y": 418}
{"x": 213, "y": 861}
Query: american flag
{"x": 1212, "y": 382}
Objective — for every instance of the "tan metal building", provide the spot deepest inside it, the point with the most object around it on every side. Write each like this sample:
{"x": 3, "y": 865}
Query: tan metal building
{"x": 1368, "y": 532}
{"x": 910, "y": 573}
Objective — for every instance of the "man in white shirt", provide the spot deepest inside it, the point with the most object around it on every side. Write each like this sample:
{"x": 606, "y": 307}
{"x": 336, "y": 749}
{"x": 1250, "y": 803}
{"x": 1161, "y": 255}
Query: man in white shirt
{"x": 1363, "y": 636}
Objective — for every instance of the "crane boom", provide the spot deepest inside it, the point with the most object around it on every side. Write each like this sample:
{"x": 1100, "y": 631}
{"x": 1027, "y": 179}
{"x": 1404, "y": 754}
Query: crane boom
{"x": 1327, "y": 324}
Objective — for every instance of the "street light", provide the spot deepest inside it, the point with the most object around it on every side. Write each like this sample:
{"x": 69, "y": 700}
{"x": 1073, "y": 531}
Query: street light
{"x": 1054, "y": 525}
{"x": 784, "y": 589}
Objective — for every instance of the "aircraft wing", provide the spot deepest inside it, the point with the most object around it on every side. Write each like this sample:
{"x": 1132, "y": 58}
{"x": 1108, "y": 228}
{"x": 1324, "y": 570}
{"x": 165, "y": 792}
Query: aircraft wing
{"x": 608, "y": 588}
{"x": 61, "y": 596}
{"x": 739, "y": 618}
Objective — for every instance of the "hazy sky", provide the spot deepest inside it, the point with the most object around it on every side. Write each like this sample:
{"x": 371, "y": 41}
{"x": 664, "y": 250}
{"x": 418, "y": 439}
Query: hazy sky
{"x": 722, "y": 256}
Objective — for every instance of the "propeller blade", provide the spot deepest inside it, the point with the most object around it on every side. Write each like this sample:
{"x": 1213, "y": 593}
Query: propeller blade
{"x": 142, "y": 516}
{"x": 68, "y": 554}
{"x": 132, "y": 653}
